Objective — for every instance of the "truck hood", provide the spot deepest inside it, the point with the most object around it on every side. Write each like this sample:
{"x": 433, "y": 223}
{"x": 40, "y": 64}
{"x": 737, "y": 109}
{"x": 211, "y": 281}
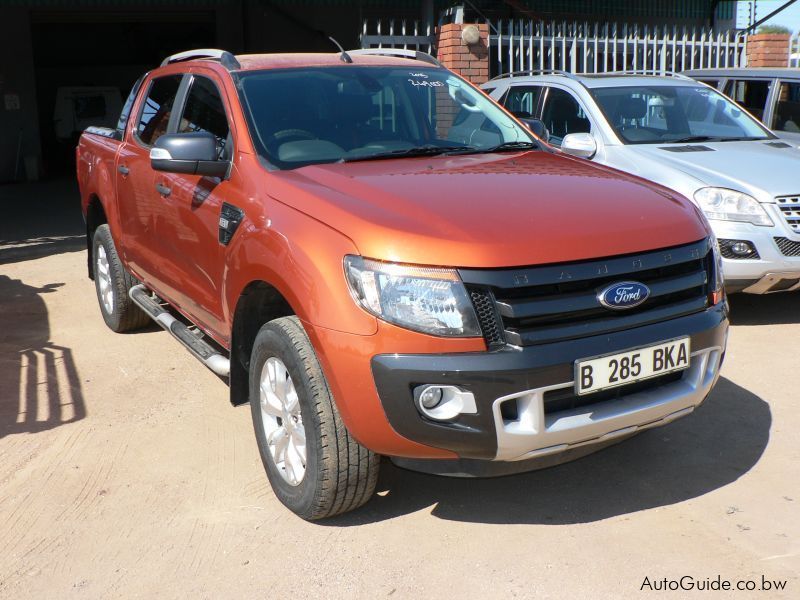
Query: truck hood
{"x": 490, "y": 210}
{"x": 752, "y": 167}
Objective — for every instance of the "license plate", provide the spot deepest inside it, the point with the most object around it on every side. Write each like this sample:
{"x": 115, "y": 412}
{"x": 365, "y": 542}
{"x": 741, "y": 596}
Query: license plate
{"x": 614, "y": 370}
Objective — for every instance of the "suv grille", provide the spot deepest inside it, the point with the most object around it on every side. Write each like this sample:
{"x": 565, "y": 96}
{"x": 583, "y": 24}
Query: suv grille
{"x": 790, "y": 209}
{"x": 539, "y": 305}
{"x": 787, "y": 246}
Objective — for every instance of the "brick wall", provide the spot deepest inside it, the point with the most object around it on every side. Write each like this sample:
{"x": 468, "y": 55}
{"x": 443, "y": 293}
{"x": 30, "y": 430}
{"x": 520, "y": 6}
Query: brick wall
{"x": 768, "y": 50}
{"x": 469, "y": 61}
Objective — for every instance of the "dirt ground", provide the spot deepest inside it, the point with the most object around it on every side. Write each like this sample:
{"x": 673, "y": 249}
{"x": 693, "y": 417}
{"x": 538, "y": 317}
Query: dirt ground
{"x": 125, "y": 473}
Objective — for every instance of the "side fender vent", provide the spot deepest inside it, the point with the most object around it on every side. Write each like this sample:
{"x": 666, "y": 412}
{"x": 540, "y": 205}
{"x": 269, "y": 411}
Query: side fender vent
{"x": 230, "y": 217}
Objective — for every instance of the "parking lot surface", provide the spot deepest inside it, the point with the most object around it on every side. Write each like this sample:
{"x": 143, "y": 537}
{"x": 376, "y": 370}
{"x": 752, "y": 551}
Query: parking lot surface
{"x": 125, "y": 472}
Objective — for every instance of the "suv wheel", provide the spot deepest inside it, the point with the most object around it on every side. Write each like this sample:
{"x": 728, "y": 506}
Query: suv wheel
{"x": 315, "y": 468}
{"x": 112, "y": 283}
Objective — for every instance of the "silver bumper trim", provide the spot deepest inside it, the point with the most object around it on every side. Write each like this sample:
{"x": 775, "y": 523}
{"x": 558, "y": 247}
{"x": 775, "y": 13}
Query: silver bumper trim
{"x": 533, "y": 434}
{"x": 765, "y": 284}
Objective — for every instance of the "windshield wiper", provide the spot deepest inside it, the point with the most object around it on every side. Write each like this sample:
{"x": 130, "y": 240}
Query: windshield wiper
{"x": 429, "y": 150}
{"x": 710, "y": 138}
{"x": 691, "y": 138}
{"x": 504, "y": 147}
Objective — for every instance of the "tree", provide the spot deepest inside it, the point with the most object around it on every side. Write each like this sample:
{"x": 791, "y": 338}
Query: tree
{"x": 774, "y": 29}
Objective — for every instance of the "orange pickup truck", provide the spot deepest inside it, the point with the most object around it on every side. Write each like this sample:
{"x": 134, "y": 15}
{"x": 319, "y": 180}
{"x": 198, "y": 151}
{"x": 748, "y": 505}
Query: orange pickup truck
{"x": 383, "y": 262}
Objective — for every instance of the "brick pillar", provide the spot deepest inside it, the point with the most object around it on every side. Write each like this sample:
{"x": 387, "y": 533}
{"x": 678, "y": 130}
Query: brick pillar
{"x": 768, "y": 50}
{"x": 471, "y": 61}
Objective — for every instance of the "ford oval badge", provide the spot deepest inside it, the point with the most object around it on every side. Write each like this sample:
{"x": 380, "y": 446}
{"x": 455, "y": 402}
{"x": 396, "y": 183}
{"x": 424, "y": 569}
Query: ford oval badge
{"x": 623, "y": 295}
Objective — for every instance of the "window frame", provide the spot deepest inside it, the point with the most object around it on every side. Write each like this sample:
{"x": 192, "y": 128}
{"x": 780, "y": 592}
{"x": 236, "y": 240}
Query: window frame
{"x": 537, "y": 110}
{"x": 769, "y": 102}
{"x": 182, "y": 99}
{"x": 775, "y": 93}
{"x": 594, "y": 128}
{"x": 173, "y": 118}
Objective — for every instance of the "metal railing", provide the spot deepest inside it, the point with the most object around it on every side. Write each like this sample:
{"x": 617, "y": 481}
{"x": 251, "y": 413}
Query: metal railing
{"x": 794, "y": 50}
{"x": 526, "y": 45}
{"x": 391, "y": 33}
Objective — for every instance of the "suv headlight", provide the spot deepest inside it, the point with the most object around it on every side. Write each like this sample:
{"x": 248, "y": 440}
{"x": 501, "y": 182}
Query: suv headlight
{"x": 730, "y": 205}
{"x": 424, "y": 299}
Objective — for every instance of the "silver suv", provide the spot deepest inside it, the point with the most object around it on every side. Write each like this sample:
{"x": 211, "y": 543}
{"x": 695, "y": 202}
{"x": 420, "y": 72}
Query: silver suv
{"x": 688, "y": 137}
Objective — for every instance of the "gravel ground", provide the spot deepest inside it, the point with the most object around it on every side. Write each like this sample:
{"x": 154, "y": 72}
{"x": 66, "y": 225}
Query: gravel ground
{"x": 125, "y": 473}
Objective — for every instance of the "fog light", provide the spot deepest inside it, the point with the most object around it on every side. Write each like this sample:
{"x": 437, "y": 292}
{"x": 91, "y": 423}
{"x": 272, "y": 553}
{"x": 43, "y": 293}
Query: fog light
{"x": 443, "y": 402}
{"x": 431, "y": 397}
{"x": 738, "y": 249}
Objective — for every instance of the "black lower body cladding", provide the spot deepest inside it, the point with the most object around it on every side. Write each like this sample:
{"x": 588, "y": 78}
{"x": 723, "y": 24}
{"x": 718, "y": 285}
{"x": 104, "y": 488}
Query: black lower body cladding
{"x": 510, "y": 370}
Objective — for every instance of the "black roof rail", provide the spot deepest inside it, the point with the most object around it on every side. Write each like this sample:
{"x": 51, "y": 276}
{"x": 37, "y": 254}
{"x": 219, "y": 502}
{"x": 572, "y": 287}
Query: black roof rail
{"x": 535, "y": 72}
{"x": 399, "y": 52}
{"x": 225, "y": 58}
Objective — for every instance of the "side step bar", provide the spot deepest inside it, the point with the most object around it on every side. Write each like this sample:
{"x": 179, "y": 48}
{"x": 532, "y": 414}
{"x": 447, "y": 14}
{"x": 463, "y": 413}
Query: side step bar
{"x": 205, "y": 353}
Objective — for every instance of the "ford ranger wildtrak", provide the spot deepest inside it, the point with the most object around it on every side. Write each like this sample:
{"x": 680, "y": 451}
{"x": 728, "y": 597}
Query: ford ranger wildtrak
{"x": 376, "y": 279}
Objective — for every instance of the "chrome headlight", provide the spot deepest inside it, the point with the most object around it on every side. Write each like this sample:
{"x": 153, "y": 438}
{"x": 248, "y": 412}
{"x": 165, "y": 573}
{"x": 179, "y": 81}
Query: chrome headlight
{"x": 730, "y": 205}
{"x": 424, "y": 299}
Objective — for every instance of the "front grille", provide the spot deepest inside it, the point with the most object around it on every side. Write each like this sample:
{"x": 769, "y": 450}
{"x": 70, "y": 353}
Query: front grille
{"x": 790, "y": 209}
{"x": 787, "y": 246}
{"x": 539, "y": 305}
{"x": 487, "y": 316}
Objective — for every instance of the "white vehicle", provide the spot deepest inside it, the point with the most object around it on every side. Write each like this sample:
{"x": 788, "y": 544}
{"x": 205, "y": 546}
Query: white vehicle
{"x": 686, "y": 136}
{"x": 80, "y": 107}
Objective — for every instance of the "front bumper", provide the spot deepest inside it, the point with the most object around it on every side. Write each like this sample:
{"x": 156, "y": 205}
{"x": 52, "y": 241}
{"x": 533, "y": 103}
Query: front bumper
{"x": 773, "y": 270}
{"x": 527, "y": 376}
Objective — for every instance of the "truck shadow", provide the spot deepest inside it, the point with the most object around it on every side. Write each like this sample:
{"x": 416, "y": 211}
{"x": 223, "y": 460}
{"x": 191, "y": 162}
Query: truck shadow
{"x": 705, "y": 451}
{"x": 39, "y": 383}
{"x": 769, "y": 309}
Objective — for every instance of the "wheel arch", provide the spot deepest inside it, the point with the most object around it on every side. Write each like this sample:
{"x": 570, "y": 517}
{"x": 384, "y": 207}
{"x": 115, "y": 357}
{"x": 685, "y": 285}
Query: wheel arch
{"x": 95, "y": 216}
{"x": 258, "y": 303}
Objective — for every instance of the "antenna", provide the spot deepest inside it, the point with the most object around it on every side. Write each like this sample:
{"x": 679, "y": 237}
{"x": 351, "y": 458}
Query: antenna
{"x": 344, "y": 56}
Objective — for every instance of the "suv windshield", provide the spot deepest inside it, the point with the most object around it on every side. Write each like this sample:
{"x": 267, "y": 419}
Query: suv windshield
{"x": 305, "y": 116}
{"x": 662, "y": 114}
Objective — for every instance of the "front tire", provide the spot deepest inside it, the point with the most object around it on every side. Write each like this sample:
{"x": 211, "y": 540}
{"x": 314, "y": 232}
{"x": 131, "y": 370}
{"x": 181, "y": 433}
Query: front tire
{"x": 315, "y": 467}
{"x": 112, "y": 283}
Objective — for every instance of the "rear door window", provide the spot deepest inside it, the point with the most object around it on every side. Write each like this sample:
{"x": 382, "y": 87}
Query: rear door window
{"x": 157, "y": 109}
{"x": 205, "y": 111}
{"x": 562, "y": 114}
{"x": 523, "y": 100}
{"x": 127, "y": 107}
{"x": 787, "y": 109}
{"x": 751, "y": 94}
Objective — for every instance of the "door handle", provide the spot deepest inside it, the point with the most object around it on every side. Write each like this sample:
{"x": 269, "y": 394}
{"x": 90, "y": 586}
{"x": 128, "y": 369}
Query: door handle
{"x": 163, "y": 190}
{"x": 123, "y": 169}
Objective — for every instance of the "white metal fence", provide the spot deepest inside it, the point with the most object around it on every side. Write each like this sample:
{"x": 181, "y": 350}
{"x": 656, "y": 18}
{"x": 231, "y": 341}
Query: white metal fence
{"x": 525, "y": 45}
{"x": 518, "y": 45}
{"x": 391, "y": 33}
{"x": 794, "y": 50}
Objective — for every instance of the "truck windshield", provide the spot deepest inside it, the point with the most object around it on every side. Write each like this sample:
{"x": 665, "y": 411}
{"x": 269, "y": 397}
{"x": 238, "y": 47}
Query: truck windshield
{"x": 306, "y": 116}
{"x": 675, "y": 114}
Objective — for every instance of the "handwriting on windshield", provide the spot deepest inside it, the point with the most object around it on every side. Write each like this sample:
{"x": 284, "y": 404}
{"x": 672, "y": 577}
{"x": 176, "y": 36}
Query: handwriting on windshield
{"x": 425, "y": 83}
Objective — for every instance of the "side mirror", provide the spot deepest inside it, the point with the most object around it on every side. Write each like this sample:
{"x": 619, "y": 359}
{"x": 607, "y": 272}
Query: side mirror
{"x": 192, "y": 153}
{"x": 537, "y": 127}
{"x": 582, "y": 145}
